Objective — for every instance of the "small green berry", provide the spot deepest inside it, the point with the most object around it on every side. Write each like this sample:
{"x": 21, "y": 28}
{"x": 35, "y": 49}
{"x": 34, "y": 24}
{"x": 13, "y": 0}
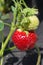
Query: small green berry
{"x": 34, "y": 23}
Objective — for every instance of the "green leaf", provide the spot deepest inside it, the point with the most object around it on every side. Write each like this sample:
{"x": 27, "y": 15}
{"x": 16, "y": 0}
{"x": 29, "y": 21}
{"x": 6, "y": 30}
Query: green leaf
{"x": 1, "y": 25}
{"x": 5, "y": 17}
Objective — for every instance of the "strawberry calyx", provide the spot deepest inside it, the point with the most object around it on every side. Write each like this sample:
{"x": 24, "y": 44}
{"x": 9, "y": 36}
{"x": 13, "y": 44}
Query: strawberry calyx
{"x": 21, "y": 30}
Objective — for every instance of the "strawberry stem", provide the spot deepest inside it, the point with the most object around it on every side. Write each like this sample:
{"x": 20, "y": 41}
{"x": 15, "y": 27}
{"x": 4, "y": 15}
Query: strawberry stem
{"x": 7, "y": 24}
{"x": 10, "y": 48}
{"x": 24, "y": 3}
{"x": 1, "y": 54}
{"x": 8, "y": 38}
{"x": 1, "y": 62}
{"x": 39, "y": 56}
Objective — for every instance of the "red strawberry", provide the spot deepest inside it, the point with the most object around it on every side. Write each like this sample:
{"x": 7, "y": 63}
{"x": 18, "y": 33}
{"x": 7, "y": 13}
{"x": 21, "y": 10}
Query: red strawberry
{"x": 33, "y": 38}
{"x": 24, "y": 41}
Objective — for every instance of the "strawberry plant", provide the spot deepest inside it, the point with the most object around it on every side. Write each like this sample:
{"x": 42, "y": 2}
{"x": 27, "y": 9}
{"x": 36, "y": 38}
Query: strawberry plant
{"x": 22, "y": 27}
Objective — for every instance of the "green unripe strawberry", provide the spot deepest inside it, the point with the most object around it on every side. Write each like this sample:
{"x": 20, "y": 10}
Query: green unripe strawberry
{"x": 34, "y": 23}
{"x": 30, "y": 23}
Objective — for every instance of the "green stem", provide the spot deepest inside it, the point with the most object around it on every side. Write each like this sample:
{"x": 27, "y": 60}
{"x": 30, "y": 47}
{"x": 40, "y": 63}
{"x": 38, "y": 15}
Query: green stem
{"x": 39, "y": 59}
{"x": 7, "y": 24}
{"x": 14, "y": 1}
{"x": 8, "y": 38}
{"x": 1, "y": 62}
{"x": 39, "y": 56}
{"x": 24, "y": 3}
{"x": 4, "y": 44}
{"x": 10, "y": 48}
{"x": 13, "y": 27}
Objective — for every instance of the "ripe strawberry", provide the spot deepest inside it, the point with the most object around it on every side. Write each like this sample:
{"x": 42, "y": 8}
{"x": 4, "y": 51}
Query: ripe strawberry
{"x": 24, "y": 41}
{"x": 33, "y": 38}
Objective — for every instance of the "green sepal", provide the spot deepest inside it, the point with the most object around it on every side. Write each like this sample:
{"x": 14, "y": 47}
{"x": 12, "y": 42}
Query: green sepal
{"x": 29, "y": 11}
{"x": 25, "y": 22}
